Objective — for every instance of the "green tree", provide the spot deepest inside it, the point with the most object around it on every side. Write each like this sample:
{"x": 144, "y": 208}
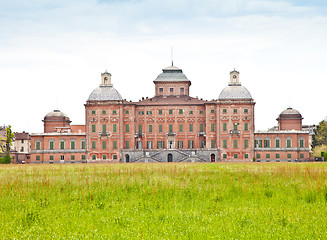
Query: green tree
{"x": 8, "y": 139}
{"x": 320, "y": 135}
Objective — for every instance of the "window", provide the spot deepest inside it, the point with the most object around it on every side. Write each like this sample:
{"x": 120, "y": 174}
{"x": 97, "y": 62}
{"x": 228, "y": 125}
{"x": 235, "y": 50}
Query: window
{"x": 37, "y": 158}
{"x": 191, "y": 127}
{"x": 104, "y": 156}
{"x": 246, "y": 143}
{"x": 277, "y": 155}
{"x": 235, "y": 126}
{"x": 141, "y": 112}
{"x": 72, "y": 157}
{"x": 289, "y": 155}
{"x": 104, "y": 144}
{"x": 277, "y": 143}
{"x": 224, "y": 127}
{"x": 288, "y": 143}
{"x": 190, "y": 112}
{"x": 212, "y": 145}
{"x": 93, "y": 128}
{"x": 224, "y": 110}
{"x": 62, "y": 144}
{"x": 201, "y": 112}
{"x": 114, "y": 111}
{"x": 149, "y": 144}
{"x": 190, "y": 144}
{"x": 37, "y": 145}
{"x": 114, "y": 144}
{"x": 202, "y": 144}
{"x": 160, "y": 128}
{"x": 235, "y": 143}
{"x": 83, "y": 144}
{"x": 258, "y": 143}
{"x": 160, "y": 144}
{"x": 301, "y": 143}
{"x": 258, "y": 156}
{"x": 51, "y": 145}
{"x": 93, "y": 111}
{"x": 161, "y": 90}
{"x": 114, "y": 128}
{"x": 170, "y": 111}
{"x": 104, "y": 128}
{"x": 235, "y": 156}
{"x": 246, "y": 127}
{"x": 160, "y": 112}
{"x": 104, "y": 112}
{"x": 301, "y": 155}
{"x": 179, "y": 144}
{"x": 224, "y": 143}
{"x": 150, "y": 128}
{"x": 126, "y": 111}
{"x": 83, "y": 157}
{"x": 212, "y": 111}
{"x": 127, "y": 144}
{"x": 234, "y": 110}
{"x": 170, "y": 128}
{"x": 267, "y": 143}
{"x": 225, "y": 155}
{"x": 246, "y": 110}
{"x": 246, "y": 156}
{"x": 212, "y": 127}
{"x": 182, "y": 90}
{"x": 201, "y": 127}
{"x": 140, "y": 128}
{"x": 72, "y": 144}
{"x": 114, "y": 157}
{"x": 93, "y": 144}
{"x": 171, "y": 90}
{"x": 127, "y": 128}
{"x": 180, "y": 127}
{"x": 51, "y": 158}
{"x": 180, "y": 111}
{"x": 267, "y": 155}
{"x": 94, "y": 157}
{"x": 148, "y": 112}
{"x": 22, "y": 140}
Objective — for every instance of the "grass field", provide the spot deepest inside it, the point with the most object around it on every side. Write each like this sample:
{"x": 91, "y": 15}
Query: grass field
{"x": 164, "y": 201}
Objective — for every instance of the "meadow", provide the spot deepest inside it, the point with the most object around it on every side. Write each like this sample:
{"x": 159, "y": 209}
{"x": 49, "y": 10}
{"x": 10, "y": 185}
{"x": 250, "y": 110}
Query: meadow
{"x": 164, "y": 201}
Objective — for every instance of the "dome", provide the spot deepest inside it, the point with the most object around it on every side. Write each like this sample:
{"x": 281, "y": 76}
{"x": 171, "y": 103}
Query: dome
{"x": 55, "y": 114}
{"x": 234, "y": 92}
{"x": 105, "y": 93}
{"x": 290, "y": 113}
{"x": 171, "y": 74}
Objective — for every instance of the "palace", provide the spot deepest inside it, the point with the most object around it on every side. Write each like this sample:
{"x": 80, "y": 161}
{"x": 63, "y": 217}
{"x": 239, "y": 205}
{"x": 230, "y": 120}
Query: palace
{"x": 172, "y": 126}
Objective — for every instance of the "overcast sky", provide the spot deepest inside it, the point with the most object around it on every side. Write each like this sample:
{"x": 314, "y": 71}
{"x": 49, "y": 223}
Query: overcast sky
{"x": 52, "y": 53}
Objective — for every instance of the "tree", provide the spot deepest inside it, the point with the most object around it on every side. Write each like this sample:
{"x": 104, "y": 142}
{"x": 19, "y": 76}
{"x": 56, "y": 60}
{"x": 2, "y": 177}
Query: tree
{"x": 8, "y": 139}
{"x": 320, "y": 135}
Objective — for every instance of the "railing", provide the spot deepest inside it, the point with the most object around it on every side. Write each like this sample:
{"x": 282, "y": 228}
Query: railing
{"x": 138, "y": 134}
{"x": 235, "y": 132}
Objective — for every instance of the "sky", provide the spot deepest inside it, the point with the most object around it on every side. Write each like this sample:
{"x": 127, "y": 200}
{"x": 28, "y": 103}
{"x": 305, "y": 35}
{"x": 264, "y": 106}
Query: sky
{"x": 52, "y": 53}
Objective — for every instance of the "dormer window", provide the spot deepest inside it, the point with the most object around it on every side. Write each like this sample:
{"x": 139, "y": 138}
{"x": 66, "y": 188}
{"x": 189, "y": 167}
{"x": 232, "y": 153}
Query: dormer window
{"x": 234, "y": 79}
{"x": 105, "y": 80}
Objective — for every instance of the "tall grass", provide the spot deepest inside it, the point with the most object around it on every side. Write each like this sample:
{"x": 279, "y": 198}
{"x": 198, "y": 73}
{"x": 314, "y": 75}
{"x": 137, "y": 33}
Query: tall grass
{"x": 164, "y": 201}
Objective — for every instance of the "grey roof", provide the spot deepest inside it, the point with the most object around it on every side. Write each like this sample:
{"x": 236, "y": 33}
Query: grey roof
{"x": 290, "y": 113}
{"x": 171, "y": 74}
{"x": 56, "y": 113}
{"x": 234, "y": 92}
{"x": 105, "y": 93}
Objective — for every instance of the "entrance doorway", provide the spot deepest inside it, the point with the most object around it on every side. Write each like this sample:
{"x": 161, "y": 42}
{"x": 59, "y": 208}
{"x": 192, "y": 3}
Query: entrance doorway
{"x": 170, "y": 157}
{"x": 213, "y": 157}
{"x": 127, "y": 157}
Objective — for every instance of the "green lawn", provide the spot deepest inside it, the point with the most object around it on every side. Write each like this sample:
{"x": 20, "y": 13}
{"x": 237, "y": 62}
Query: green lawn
{"x": 164, "y": 201}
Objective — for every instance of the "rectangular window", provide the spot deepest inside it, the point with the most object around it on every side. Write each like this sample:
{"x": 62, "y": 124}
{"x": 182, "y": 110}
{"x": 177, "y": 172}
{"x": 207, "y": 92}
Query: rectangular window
{"x": 94, "y": 157}
{"x": 51, "y": 145}
{"x": 141, "y": 112}
{"x": 104, "y": 128}
{"x": 160, "y": 128}
{"x": 93, "y": 128}
{"x": 267, "y": 143}
{"x": 212, "y": 144}
{"x": 289, "y": 143}
{"x": 160, "y": 112}
{"x": 160, "y": 144}
{"x": 212, "y": 127}
{"x": 62, "y": 144}
{"x": 246, "y": 110}
{"x": 179, "y": 144}
{"x": 190, "y": 144}
{"x": 93, "y": 111}
{"x": 104, "y": 112}
{"x": 104, "y": 156}
{"x": 224, "y": 127}
{"x": 246, "y": 127}
{"x": 235, "y": 143}
{"x": 104, "y": 144}
{"x": 180, "y": 111}
{"x": 148, "y": 112}
{"x": 212, "y": 111}
{"x": 126, "y": 111}
{"x": 235, "y": 156}
{"x": 202, "y": 144}
{"x": 246, "y": 143}
{"x": 51, "y": 158}
{"x": 114, "y": 128}
{"x": 127, "y": 128}
{"x": 114, "y": 111}
{"x": 301, "y": 155}
{"x": 289, "y": 155}
{"x": 277, "y": 155}
{"x": 235, "y": 126}
{"x": 224, "y": 110}
{"x": 301, "y": 143}
{"x": 267, "y": 155}
{"x": 201, "y": 112}
{"x": 234, "y": 110}
{"x": 83, "y": 157}
{"x": 201, "y": 127}
{"x": 93, "y": 144}
{"x": 37, "y": 145}
{"x": 258, "y": 156}
{"x": 72, "y": 145}
{"x": 72, "y": 157}
{"x": 277, "y": 143}
{"x": 150, "y": 128}
{"x": 140, "y": 128}
{"x": 171, "y": 90}
{"x": 170, "y": 128}
{"x": 161, "y": 90}
{"x": 180, "y": 127}
{"x": 37, "y": 158}
{"x": 224, "y": 143}
{"x": 127, "y": 144}
{"x": 225, "y": 155}
{"x": 83, "y": 144}
{"x": 258, "y": 143}
{"x": 190, "y": 112}
{"x": 114, "y": 144}
{"x": 149, "y": 144}
{"x": 181, "y": 90}
{"x": 191, "y": 127}
{"x": 170, "y": 111}
{"x": 114, "y": 157}
{"x": 246, "y": 156}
